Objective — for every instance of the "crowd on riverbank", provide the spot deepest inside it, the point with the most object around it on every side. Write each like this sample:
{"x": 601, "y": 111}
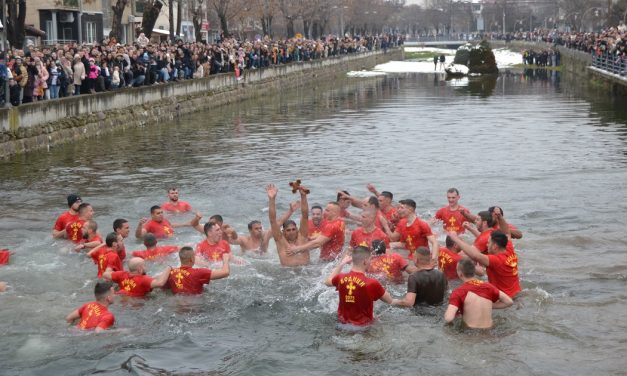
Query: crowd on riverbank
{"x": 65, "y": 70}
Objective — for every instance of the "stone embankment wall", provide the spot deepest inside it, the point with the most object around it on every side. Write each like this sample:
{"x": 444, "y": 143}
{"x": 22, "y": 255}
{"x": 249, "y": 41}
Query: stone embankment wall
{"x": 575, "y": 64}
{"x": 44, "y": 124}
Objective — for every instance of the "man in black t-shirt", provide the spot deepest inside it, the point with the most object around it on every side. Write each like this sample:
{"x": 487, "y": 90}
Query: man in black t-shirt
{"x": 427, "y": 285}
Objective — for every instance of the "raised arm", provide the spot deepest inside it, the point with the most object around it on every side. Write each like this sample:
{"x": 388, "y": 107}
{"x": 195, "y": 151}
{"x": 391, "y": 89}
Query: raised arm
{"x": 272, "y": 191}
{"x": 337, "y": 269}
{"x": 372, "y": 189}
{"x": 194, "y": 222}
{"x": 304, "y": 213}
{"x": 140, "y": 231}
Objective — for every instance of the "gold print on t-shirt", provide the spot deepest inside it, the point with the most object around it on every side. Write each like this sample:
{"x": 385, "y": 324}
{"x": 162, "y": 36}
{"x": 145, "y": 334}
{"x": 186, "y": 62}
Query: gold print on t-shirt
{"x": 350, "y": 298}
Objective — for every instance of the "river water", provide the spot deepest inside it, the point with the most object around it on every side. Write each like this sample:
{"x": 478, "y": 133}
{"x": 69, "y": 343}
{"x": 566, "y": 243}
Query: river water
{"x": 555, "y": 161}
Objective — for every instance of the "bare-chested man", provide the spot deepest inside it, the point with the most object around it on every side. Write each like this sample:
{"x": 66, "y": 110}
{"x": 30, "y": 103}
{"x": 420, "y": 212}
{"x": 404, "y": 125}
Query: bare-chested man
{"x": 291, "y": 235}
{"x": 258, "y": 239}
{"x": 474, "y": 299}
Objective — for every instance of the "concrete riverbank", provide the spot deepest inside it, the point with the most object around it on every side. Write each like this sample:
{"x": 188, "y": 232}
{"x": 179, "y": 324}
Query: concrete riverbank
{"x": 45, "y": 124}
{"x": 577, "y": 65}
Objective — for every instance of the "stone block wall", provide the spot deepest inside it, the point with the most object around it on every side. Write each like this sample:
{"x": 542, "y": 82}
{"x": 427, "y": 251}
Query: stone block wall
{"x": 44, "y": 124}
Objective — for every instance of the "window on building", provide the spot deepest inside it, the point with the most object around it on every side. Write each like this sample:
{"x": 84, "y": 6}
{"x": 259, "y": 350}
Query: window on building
{"x": 90, "y": 32}
{"x": 70, "y": 3}
{"x": 49, "y": 31}
{"x": 139, "y": 7}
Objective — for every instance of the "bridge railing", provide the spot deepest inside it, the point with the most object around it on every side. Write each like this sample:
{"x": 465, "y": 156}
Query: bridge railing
{"x": 610, "y": 63}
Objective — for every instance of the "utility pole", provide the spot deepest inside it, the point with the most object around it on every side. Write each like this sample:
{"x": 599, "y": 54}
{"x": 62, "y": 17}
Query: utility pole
{"x": 80, "y": 22}
{"x": 609, "y": 13}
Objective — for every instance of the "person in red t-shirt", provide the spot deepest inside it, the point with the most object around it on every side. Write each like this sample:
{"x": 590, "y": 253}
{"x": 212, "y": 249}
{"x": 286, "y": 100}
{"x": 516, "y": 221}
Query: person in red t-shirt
{"x": 73, "y": 201}
{"x": 411, "y": 232}
{"x": 388, "y": 265}
{"x": 74, "y": 230}
{"x": 213, "y": 247}
{"x": 364, "y": 235}
{"x": 152, "y": 251}
{"x": 385, "y": 205}
{"x": 454, "y": 215}
{"x": 501, "y": 263}
{"x": 159, "y": 226}
{"x": 344, "y": 201}
{"x": 513, "y": 230}
{"x": 123, "y": 229}
{"x": 485, "y": 225}
{"x": 449, "y": 257}
{"x": 331, "y": 239}
{"x": 174, "y": 205}
{"x": 189, "y": 280}
{"x": 474, "y": 299}
{"x": 356, "y": 291}
{"x": 91, "y": 237}
{"x": 106, "y": 256}
{"x": 95, "y": 315}
{"x": 135, "y": 283}
{"x": 315, "y": 223}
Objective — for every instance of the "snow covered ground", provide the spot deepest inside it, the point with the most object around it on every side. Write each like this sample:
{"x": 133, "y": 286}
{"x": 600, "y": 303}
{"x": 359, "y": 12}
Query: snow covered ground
{"x": 504, "y": 59}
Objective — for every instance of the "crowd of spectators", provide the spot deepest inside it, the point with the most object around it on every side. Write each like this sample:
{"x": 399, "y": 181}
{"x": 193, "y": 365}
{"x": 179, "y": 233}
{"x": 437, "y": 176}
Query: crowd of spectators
{"x": 51, "y": 72}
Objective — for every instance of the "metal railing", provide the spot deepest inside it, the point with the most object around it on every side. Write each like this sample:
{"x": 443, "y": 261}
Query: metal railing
{"x": 610, "y": 63}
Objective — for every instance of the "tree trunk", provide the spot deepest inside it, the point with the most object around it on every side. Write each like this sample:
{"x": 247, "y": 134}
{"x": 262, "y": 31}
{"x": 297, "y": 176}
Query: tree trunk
{"x": 179, "y": 16}
{"x": 290, "y": 27}
{"x": 16, "y": 15}
{"x": 224, "y": 25}
{"x": 171, "y": 19}
{"x": 116, "y": 22}
{"x": 196, "y": 20}
{"x": 152, "y": 9}
{"x": 307, "y": 27}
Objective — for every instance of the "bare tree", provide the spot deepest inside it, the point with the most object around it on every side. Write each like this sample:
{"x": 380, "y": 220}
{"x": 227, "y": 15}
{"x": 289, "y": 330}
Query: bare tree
{"x": 196, "y": 9}
{"x": 16, "y": 15}
{"x": 152, "y": 8}
{"x": 179, "y": 16}
{"x": 116, "y": 21}
{"x": 226, "y": 10}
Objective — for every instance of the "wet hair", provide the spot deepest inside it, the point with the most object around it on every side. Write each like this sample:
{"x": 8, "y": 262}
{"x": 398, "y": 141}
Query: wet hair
{"x": 387, "y": 194}
{"x": 449, "y": 242}
{"x": 153, "y": 208}
{"x": 118, "y": 223}
{"x": 209, "y": 225}
{"x": 408, "y": 202}
{"x": 422, "y": 253}
{"x": 491, "y": 210}
{"x": 102, "y": 289}
{"x": 316, "y": 206}
{"x": 378, "y": 247}
{"x": 185, "y": 254}
{"x": 252, "y": 223}
{"x": 499, "y": 238}
{"x": 453, "y": 190}
{"x": 334, "y": 203}
{"x": 360, "y": 254}
{"x": 287, "y": 223}
{"x": 339, "y": 196}
{"x": 82, "y": 207}
{"x": 372, "y": 200}
{"x": 467, "y": 267}
{"x": 216, "y": 218}
{"x": 487, "y": 217}
{"x": 150, "y": 240}
{"x": 172, "y": 189}
{"x": 111, "y": 238}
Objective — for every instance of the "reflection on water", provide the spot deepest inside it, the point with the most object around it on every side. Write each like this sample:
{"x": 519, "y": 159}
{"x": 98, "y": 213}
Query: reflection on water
{"x": 553, "y": 160}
